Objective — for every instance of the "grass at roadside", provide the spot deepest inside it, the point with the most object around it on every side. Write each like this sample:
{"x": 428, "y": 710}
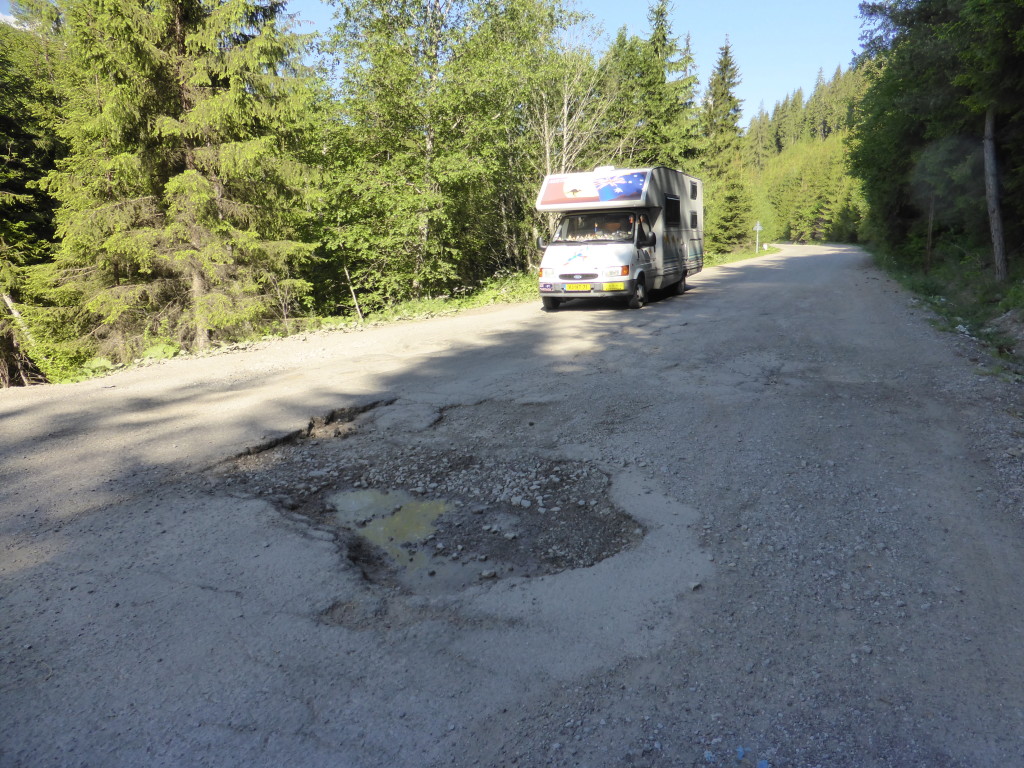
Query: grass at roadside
{"x": 510, "y": 288}
{"x": 966, "y": 299}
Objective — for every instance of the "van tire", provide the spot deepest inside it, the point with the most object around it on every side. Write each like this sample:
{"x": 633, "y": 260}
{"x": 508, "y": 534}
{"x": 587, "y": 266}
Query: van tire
{"x": 550, "y": 303}
{"x": 680, "y": 288}
{"x": 639, "y": 297}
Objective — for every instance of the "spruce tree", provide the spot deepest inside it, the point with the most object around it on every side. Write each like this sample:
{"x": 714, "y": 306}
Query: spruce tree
{"x": 758, "y": 141}
{"x": 28, "y": 149}
{"x": 721, "y": 113}
{"x": 182, "y": 197}
{"x": 817, "y": 115}
{"x": 634, "y": 79}
{"x": 726, "y": 200}
{"x": 673, "y": 103}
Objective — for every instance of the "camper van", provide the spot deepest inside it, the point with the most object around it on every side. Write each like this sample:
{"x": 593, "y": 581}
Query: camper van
{"x": 620, "y": 233}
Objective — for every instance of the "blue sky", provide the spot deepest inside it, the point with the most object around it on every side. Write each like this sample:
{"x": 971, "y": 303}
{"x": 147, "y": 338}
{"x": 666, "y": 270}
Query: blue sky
{"x": 778, "y": 46}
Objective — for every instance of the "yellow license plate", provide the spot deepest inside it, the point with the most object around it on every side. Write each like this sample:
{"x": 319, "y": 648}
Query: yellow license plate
{"x": 578, "y": 287}
{"x": 615, "y": 286}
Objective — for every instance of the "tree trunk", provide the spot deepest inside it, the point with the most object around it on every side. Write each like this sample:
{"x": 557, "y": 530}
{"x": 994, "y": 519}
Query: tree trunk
{"x": 18, "y": 319}
{"x": 928, "y": 242}
{"x": 995, "y": 216}
{"x": 202, "y": 326}
{"x": 352, "y": 290}
{"x": 17, "y": 369}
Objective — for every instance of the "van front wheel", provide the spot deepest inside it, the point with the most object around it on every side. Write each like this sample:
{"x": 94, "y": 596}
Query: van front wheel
{"x": 639, "y": 297}
{"x": 550, "y": 303}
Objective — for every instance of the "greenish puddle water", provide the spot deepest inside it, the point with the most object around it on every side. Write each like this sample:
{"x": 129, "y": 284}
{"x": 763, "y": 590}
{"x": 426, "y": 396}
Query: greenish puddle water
{"x": 394, "y": 518}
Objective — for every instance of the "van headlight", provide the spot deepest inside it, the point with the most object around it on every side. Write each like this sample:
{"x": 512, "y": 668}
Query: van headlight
{"x": 617, "y": 272}
{"x": 547, "y": 272}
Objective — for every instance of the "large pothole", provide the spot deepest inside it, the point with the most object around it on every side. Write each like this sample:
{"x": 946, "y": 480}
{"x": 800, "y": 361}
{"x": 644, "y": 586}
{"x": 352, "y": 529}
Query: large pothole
{"x": 429, "y": 519}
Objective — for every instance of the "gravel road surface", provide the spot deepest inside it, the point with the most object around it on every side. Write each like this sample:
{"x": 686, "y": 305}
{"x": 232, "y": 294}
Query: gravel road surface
{"x": 775, "y": 522}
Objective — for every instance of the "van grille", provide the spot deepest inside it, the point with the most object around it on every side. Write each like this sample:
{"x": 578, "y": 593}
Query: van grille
{"x": 578, "y": 276}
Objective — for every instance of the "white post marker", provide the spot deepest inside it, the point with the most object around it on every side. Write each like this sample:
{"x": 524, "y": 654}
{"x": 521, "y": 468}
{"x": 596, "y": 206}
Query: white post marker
{"x": 757, "y": 237}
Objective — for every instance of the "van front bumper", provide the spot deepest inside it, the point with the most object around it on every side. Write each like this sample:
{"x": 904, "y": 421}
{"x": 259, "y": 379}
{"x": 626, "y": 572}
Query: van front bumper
{"x": 585, "y": 288}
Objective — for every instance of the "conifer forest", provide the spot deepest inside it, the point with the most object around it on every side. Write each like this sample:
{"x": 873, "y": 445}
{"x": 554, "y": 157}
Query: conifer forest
{"x": 181, "y": 174}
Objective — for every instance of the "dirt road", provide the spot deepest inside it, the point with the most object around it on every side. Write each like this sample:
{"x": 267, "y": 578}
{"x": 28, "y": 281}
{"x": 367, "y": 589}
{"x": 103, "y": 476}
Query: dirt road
{"x": 774, "y": 522}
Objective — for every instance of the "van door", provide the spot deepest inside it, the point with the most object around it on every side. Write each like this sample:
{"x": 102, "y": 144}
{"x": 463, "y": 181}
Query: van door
{"x": 645, "y": 248}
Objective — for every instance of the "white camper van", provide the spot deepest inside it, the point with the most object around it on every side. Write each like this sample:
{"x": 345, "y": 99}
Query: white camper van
{"x": 621, "y": 233}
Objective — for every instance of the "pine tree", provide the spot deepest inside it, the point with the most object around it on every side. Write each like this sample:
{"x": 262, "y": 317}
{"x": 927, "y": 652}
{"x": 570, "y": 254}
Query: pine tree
{"x": 634, "y": 78}
{"x": 726, "y": 200}
{"x": 817, "y": 118}
{"x": 720, "y": 114}
{"x": 758, "y": 141}
{"x": 674, "y": 104}
{"x": 684, "y": 130}
{"x": 805, "y": 191}
{"x": 27, "y": 153}
{"x": 182, "y": 196}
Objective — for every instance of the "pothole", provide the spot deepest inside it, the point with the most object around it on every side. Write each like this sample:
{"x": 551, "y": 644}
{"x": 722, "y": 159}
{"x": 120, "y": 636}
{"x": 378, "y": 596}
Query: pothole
{"x": 430, "y": 519}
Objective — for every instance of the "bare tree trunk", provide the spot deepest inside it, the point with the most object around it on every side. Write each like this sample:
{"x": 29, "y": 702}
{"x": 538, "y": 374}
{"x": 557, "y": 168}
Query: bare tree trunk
{"x": 928, "y": 243}
{"x": 18, "y": 319}
{"x": 995, "y": 215}
{"x": 16, "y": 367}
{"x": 202, "y": 326}
{"x": 352, "y": 290}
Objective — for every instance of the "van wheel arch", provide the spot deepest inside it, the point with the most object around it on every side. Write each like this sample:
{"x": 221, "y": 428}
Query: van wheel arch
{"x": 639, "y": 296}
{"x": 680, "y": 288}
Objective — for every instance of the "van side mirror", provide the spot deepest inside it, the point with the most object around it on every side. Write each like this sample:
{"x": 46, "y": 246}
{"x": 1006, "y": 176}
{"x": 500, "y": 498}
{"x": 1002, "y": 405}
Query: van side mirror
{"x": 648, "y": 242}
{"x": 540, "y": 243}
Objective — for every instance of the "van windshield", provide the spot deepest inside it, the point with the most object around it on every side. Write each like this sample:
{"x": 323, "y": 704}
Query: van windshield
{"x": 616, "y": 226}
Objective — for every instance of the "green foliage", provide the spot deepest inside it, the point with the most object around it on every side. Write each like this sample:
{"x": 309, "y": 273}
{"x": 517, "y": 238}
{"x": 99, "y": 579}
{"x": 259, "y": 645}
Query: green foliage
{"x": 161, "y": 351}
{"x": 634, "y": 77}
{"x": 797, "y": 165}
{"x": 727, "y": 218}
{"x": 431, "y": 162}
{"x": 728, "y": 221}
{"x": 671, "y": 102}
{"x": 210, "y": 188}
{"x": 183, "y": 193}
{"x": 28, "y": 150}
{"x": 26, "y": 153}
{"x": 95, "y": 366}
{"x": 805, "y": 194}
{"x": 720, "y": 116}
{"x": 960, "y": 288}
{"x": 503, "y": 288}
{"x": 935, "y": 68}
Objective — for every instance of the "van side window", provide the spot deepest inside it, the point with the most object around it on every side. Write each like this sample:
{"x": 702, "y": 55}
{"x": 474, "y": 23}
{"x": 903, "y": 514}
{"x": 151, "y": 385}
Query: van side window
{"x": 693, "y": 190}
{"x": 673, "y": 215}
{"x": 693, "y": 219}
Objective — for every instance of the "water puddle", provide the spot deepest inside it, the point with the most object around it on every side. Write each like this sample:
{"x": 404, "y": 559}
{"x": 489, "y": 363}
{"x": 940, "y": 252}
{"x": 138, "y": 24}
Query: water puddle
{"x": 392, "y": 520}
{"x": 388, "y": 519}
